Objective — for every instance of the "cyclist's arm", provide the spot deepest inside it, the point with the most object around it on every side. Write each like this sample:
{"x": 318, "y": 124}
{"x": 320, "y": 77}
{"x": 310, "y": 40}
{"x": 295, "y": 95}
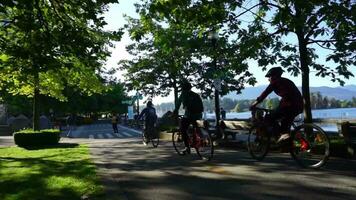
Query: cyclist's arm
{"x": 179, "y": 102}
{"x": 265, "y": 93}
{"x": 141, "y": 114}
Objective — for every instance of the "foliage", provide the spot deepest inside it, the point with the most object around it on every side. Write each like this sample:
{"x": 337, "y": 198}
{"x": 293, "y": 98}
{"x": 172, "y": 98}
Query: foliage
{"x": 64, "y": 171}
{"x": 46, "y": 46}
{"x": 318, "y": 28}
{"x": 323, "y": 102}
{"x": 295, "y": 34}
{"x": 172, "y": 44}
{"x": 108, "y": 101}
{"x": 29, "y": 137}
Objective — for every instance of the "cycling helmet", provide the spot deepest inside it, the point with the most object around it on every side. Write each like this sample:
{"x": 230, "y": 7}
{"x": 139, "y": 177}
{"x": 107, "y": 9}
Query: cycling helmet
{"x": 149, "y": 104}
{"x": 186, "y": 85}
{"x": 275, "y": 71}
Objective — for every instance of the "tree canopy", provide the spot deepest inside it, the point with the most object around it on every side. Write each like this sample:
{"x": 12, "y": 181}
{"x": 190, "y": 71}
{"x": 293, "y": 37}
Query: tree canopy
{"x": 301, "y": 36}
{"x": 46, "y": 46}
{"x": 176, "y": 46}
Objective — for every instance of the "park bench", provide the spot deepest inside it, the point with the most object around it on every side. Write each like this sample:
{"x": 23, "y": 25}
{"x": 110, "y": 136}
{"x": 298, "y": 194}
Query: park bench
{"x": 228, "y": 128}
{"x": 348, "y": 130}
{"x": 232, "y": 128}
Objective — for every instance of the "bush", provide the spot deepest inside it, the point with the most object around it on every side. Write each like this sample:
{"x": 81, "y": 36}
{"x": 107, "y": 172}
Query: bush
{"x": 29, "y": 137}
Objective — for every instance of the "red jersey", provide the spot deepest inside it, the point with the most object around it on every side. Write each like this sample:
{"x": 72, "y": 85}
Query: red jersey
{"x": 286, "y": 89}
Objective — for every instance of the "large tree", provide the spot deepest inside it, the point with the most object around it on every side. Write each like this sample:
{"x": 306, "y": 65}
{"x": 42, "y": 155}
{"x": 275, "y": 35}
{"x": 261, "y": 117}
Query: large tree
{"x": 317, "y": 35}
{"x": 296, "y": 34}
{"x": 175, "y": 35}
{"x": 48, "y": 45}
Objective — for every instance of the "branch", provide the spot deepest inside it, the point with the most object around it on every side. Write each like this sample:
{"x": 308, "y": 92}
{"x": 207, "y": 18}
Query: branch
{"x": 59, "y": 4}
{"x": 279, "y": 7}
{"x": 248, "y": 9}
{"x": 328, "y": 48}
{"x": 330, "y": 41}
{"x": 41, "y": 18}
{"x": 315, "y": 25}
{"x": 56, "y": 11}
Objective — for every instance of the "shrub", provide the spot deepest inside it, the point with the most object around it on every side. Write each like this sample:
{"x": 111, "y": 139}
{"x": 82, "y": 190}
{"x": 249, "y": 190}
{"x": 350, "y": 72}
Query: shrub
{"x": 29, "y": 137}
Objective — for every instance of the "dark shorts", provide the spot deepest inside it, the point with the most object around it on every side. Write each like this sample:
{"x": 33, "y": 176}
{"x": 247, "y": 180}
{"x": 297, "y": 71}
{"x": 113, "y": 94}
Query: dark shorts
{"x": 286, "y": 115}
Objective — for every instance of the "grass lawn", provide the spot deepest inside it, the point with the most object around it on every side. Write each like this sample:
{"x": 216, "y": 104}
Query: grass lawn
{"x": 62, "y": 172}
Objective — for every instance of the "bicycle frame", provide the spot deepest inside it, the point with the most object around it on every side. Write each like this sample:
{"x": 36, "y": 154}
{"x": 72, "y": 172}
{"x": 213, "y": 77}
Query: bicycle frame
{"x": 194, "y": 136}
{"x": 308, "y": 145}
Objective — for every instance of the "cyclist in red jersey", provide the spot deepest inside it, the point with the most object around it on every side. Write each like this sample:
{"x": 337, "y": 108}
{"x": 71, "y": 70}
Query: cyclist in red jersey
{"x": 290, "y": 105}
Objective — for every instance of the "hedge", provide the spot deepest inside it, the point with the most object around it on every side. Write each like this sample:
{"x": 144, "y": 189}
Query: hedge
{"x": 29, "y": 137}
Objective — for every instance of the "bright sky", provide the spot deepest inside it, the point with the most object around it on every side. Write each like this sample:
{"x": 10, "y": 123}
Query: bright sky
{"x": 115, "y": 20}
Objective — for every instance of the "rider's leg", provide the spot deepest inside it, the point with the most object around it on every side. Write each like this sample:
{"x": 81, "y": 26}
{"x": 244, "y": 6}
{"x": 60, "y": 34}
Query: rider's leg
{"x": 185, "y": 122}
{"x": 288, "y": 115}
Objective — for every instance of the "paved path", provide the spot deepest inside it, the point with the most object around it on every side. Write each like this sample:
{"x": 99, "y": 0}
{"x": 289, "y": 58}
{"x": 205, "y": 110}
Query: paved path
{"x": 100, "y": 131}
{"x": 132, "y": 171}
{"x": 136, "y": 172}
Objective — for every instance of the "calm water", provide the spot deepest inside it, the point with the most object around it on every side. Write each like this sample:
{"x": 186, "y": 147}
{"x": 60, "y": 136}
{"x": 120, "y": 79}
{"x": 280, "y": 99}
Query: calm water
{"x": 338, "y": 113}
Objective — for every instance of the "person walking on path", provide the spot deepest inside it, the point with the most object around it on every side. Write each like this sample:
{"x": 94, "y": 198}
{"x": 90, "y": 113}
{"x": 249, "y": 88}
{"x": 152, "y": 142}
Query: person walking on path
{"x": 223, "y": 113}
{"x": 114, "y": 121}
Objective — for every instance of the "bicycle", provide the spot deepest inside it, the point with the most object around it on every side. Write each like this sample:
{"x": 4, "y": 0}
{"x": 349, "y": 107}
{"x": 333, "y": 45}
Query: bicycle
{"x": 150, "y": 134}
{"x": 198, "y": 138}
{"x": 308, "y": 145}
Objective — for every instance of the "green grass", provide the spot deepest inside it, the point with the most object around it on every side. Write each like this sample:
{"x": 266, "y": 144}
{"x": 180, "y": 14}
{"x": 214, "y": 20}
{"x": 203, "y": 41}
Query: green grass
{"x": 60, "y": 172}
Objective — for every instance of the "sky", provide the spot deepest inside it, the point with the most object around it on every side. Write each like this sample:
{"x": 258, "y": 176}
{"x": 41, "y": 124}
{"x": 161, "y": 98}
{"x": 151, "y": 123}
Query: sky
{"x": 115, "y": 20}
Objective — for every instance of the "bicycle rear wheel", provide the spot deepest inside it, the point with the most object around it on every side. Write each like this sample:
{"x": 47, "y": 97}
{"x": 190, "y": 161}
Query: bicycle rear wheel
{"x": 154, "y": 137}
{"x": 310, "y": 146}
{"x": 205, "y": 147}
{"x": 178, "y": 143}
{"x": 144, "y": 137}
{"x": 258, "y": 142}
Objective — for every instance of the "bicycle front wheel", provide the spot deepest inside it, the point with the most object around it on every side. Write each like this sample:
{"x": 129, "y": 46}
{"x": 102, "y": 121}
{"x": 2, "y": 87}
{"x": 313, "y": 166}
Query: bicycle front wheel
{"x": 310, "y": 146}
{"x": 204, "y": 146}
{"x": 258, "y": 142}
{"x": 178, "y": 142}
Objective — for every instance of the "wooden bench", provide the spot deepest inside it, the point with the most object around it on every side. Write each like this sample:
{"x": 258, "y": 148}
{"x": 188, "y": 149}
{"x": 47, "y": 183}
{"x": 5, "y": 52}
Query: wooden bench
{"x": 348, "y": 130}
{"x": 233, "y": 128}
{"x": 228, "y": 128}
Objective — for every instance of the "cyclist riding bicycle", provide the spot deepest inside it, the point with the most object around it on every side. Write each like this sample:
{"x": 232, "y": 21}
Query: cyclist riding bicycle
{"x": 150, "y": 116}
{"x": 290, "y": 105}
{"x": 193, "y": 105}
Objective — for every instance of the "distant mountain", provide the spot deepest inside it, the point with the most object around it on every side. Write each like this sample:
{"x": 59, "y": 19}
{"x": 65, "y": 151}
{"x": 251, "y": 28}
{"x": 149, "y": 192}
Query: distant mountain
{"x": 341, "y": 93}
{"x": 349, "y": 87}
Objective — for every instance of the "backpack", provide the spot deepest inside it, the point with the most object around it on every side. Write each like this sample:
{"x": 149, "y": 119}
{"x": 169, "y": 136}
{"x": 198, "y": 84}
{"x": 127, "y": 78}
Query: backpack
{"x": 194, "y": 103}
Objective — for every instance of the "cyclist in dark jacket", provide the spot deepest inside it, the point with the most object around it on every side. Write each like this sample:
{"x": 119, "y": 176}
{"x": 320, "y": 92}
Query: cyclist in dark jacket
{"x": 193, "y": 107}
{"x": 290, "y": 105}
{"x": 150, "y": 116}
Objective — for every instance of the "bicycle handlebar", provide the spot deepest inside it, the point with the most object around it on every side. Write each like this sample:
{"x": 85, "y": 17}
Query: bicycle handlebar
{"x": 259, "y": 108}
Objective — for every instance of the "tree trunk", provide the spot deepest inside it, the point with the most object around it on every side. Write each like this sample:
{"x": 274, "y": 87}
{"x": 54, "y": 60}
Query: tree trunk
{"x": 175, "y": 91}
{"x": 36, "y": 102}
{"x": 304, "y": 60}
{"x": 304, "y": 65}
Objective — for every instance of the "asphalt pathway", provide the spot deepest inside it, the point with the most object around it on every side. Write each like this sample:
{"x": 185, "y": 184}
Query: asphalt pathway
{"x": 131, "y": 171}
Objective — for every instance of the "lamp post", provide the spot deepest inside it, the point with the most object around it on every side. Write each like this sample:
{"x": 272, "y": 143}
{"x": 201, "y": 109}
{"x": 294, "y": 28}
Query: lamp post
{"x": 213, "y": 36}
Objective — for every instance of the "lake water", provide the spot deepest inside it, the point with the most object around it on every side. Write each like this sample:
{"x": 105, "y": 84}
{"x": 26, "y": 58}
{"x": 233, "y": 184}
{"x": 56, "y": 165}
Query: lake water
{"x": 337, "y": 113}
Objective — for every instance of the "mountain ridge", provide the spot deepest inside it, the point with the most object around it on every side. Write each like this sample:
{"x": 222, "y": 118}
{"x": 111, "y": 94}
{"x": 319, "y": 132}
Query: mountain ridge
{"x": 341, "y": 93}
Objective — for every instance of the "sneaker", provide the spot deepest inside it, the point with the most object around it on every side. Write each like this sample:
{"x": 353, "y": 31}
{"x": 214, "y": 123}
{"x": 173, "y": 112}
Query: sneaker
{"x": 284, "y": 137}
{"x": 186, "y": 151}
